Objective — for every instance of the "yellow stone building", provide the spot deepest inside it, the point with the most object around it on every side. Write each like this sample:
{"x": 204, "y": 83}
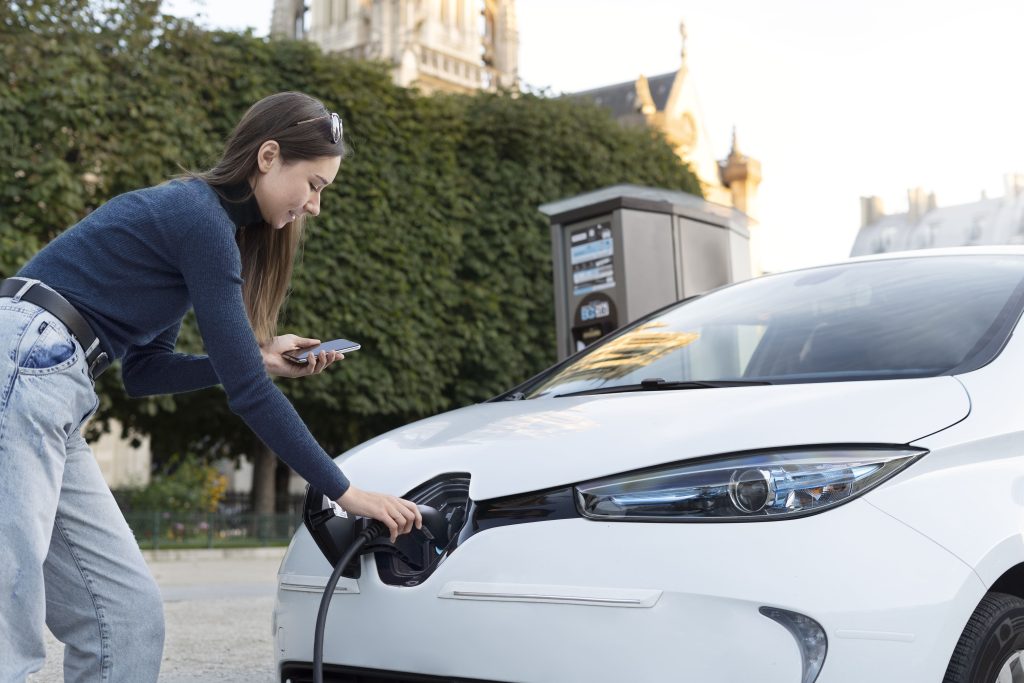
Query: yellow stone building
{"x": 669, "y": 103}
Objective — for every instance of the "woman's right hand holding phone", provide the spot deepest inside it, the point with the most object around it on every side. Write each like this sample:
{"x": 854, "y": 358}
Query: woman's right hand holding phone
{"x": 278, "y": 364}
{"x": 399, "y": 515}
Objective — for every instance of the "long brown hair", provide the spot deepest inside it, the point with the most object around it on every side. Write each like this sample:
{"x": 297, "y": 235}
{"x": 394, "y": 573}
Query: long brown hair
{"x": 268, "y": 255}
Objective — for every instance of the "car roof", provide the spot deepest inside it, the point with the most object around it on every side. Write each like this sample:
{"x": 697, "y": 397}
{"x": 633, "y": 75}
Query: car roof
{"x": 981, "y": 250}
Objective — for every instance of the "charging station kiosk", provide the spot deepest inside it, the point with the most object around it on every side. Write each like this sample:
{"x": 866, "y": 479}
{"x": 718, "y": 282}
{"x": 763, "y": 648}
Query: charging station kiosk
{"x": 623, "y": 251}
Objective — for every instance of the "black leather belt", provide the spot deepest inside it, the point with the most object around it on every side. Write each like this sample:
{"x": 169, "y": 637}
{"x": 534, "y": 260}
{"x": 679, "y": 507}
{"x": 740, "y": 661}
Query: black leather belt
{"x": 44, "y": 297}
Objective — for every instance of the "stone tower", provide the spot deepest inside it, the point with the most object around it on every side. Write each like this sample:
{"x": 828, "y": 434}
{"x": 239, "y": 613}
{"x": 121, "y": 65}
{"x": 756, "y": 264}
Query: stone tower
{"x": 436, "y": 45}
{"x": 741, "y": 175}
{"x": 287, "y": 20}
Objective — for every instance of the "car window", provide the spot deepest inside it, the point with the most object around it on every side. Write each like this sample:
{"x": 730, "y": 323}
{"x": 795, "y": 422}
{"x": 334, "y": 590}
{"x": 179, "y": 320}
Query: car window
{"x": 892, "y": 318}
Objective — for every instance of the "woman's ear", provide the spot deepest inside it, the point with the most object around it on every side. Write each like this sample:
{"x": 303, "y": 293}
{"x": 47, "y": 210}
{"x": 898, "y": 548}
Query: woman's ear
{"x": 268, "y": 153}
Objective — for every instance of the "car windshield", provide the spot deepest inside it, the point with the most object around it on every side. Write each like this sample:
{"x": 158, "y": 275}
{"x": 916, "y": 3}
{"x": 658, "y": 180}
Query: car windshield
{"x": 886, "y": 319}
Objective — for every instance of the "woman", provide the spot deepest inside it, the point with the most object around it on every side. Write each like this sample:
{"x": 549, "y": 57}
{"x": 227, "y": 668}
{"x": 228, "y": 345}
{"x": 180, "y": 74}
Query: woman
{"x": 115, "y": 286}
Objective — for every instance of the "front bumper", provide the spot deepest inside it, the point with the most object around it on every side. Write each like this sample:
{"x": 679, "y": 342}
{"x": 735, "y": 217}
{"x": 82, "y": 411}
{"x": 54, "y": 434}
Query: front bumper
{"x": 577, "y": 600}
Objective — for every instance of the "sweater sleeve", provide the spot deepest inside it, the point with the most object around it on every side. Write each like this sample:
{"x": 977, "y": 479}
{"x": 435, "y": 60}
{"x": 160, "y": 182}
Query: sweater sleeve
{"x": 156, "y": 369}
{"x": 212, "y": 269}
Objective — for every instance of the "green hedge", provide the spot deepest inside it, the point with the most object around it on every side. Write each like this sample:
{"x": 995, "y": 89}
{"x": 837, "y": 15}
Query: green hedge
{"x": 430, "y": 249}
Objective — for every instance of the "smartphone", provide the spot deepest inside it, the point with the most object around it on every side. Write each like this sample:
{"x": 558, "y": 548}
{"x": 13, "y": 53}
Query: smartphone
{"x": 301, "y": 356}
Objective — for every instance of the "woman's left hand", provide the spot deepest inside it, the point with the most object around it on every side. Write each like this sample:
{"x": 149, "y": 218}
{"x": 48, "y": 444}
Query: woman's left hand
{"x": 279, "y": 366}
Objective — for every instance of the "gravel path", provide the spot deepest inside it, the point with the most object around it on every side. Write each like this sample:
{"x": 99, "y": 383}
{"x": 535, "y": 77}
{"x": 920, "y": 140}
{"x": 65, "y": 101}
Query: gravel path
{"x": 218, "y": 607}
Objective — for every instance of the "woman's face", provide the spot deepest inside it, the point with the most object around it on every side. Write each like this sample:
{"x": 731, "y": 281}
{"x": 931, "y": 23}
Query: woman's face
{"x": 285, "y": 191}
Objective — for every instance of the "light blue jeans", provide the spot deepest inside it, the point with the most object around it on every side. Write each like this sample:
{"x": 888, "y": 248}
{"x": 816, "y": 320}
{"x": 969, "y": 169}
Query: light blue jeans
{"x": 67, "y": 556}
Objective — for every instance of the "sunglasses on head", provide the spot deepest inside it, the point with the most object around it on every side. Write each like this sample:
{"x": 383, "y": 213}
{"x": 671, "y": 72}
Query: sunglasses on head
{"x": 336, "y": 127}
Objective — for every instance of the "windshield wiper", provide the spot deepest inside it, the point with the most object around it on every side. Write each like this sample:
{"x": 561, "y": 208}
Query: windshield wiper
{"x": 659, "y": 384}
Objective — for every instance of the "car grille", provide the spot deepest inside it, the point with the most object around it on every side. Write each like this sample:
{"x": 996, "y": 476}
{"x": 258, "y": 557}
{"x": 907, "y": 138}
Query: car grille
{"x": 302, "y": 672}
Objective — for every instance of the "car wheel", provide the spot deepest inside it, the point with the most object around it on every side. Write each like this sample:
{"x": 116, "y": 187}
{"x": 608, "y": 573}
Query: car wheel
{"x": 991, "y": 648}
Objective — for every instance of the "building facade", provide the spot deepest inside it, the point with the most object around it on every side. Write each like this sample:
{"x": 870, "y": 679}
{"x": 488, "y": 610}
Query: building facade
{"x": 125, "y": 464}
{"x": 926, "y": 225}
{"x": 434, "y": 45}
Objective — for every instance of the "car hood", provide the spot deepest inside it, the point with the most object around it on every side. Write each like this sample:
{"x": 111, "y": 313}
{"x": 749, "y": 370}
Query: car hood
{"x": 518, "y": 446}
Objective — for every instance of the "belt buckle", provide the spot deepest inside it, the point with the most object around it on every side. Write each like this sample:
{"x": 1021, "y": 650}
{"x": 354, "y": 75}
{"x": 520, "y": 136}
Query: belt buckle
{"x": 99, "y": 364}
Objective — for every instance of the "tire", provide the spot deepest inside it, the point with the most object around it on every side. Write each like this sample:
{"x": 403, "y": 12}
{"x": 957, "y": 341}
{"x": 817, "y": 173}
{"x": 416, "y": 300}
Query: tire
{"x": 992, "y": 643}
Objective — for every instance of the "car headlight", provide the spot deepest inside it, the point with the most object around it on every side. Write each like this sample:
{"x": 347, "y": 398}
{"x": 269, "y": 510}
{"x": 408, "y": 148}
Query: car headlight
{"x": 746, "y": 487}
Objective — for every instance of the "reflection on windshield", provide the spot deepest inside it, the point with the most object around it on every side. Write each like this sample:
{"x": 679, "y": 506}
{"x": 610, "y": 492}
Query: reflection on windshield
{"x": 890, "y": 318}
{"x": 624, "y": 355}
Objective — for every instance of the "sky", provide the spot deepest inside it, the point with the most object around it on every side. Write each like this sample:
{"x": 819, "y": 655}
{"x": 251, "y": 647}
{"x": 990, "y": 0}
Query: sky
{"x": 837, "y": 100}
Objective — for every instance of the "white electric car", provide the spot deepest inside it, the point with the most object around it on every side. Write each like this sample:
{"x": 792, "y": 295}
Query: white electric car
{"x": 811, "y": 476}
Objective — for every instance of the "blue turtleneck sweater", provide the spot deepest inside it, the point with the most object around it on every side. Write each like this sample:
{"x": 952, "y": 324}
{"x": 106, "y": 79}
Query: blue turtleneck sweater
{"x": 134, "y": 267}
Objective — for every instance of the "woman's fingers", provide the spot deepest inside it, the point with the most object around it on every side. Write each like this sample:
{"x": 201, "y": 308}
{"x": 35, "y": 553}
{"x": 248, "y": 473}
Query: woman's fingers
{"x": 398, "y": 515}
{"x": 401, "y": 523}
{"x": 411, "y": 516}
{"x": 416, "y": 512}
{"x": 392, "y": 527}
{"x": 408, "y": 516}
{"x": 320, "y": 362}
{"x": 317, "y": 362}
{"x": 403, "y": 519}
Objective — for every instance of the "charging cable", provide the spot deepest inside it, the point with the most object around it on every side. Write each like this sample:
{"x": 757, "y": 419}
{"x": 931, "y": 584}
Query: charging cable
{"x": 368, "y": 534}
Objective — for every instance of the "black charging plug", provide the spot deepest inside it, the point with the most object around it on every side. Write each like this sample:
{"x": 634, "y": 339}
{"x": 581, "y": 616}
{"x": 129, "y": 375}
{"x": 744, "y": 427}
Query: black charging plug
{"x": 435, "y": 526}
{"x": 415, "y": 549}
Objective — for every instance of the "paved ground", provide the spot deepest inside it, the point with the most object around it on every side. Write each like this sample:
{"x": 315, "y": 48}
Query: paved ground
{"x": 218, "y": 607}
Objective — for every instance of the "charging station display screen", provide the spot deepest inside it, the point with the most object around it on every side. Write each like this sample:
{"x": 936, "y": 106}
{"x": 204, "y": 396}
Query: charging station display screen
{"x": 591, "y": 254}
{"x": 594, "y": 318}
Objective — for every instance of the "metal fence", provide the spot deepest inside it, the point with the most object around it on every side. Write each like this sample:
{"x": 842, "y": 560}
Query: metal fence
{"x": 156, "y": 530}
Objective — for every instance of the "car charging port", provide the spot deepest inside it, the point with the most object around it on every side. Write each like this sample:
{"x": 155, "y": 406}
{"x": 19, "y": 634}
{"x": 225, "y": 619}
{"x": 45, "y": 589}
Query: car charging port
{"x": 449, "y": 495}
{"x": 443, "y": 503}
